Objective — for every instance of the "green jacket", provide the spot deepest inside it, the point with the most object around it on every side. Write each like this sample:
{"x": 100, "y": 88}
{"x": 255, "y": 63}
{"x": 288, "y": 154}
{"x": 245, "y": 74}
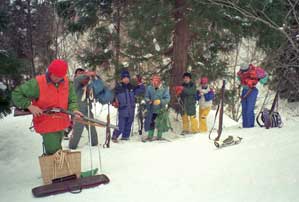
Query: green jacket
{"x": 25, "y": 93}
{"x": 161, "y": 93}
{"x": 188, "y": 97}
{"x": 151, "y": 94}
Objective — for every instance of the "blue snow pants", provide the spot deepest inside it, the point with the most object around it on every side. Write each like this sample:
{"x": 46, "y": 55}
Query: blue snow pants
{"x": 248, "y": 105}
{"x": 124, "y": 125}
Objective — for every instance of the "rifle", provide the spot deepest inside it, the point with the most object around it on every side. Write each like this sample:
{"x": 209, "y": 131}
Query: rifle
{"x": 85, "y": 120}
{"x": 108, "y": 132}
{"x": 221, "y": 103}
{"x": 230, "y": 140}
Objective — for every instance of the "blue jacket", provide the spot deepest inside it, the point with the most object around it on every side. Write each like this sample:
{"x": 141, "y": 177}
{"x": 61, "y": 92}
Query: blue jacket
{"x": 101, "y": 93}
{"x": 125, "y": 95}
{"x": 208, "y": 96}
{"x": 152, "y": 94}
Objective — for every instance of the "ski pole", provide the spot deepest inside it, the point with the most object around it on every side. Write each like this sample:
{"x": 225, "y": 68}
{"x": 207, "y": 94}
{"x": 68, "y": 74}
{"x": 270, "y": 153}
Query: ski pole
{"x": 99, "y": 151}
{"x": 89, "y": 134}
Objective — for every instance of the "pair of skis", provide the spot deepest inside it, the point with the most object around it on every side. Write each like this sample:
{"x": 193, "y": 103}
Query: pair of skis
{"x": 230, "y": 140}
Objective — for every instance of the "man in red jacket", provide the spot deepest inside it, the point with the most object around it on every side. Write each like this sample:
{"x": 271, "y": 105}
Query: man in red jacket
{"x": 46, "y": 91}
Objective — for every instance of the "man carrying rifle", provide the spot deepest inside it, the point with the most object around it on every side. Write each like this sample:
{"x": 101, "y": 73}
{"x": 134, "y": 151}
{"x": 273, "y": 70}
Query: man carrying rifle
{"x": 81, "y": 87}
{"x": 46, "y": 91}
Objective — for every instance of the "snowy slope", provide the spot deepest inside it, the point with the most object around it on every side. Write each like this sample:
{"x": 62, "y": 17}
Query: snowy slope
{"x": 263, "y": 167}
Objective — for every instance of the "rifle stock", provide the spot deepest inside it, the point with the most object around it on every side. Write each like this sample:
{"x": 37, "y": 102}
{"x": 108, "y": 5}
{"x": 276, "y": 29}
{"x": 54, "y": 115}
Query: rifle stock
{"x": 24, "y": 112}
{"x": 21, "y": 112}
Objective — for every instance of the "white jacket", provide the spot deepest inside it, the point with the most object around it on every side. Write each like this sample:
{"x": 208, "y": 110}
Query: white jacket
{"x": 202, "y": 102}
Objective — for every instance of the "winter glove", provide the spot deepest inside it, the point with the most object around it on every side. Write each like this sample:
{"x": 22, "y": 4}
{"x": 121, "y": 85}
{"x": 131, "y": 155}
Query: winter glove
{"x": 157, "y": 102}
{"x": 90, "y": 73}
{"x": 115, "y": 104}
{"x": 178, "y": 90}
{"x": 78, "y": 115}
{"x": 198, "y": 95}
{"x": 139, "y": 79}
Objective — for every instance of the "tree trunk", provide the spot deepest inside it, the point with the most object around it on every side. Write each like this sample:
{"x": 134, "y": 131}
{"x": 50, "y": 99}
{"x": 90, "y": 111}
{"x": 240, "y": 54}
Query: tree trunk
{"x": 30, "y": 40}
{"x": 117, "y": 44}
{"x": 180, "y": 47}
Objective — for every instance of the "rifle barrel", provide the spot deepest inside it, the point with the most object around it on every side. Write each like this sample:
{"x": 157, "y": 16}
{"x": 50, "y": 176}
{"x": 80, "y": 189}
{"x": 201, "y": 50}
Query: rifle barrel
{"x": 21, "y": 112}
{"x": 85, "y": 118}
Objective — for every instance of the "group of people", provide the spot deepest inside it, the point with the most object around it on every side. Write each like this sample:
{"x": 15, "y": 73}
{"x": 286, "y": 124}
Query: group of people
{"x": 187, "y": 95}
{"x": 54, "y": 89}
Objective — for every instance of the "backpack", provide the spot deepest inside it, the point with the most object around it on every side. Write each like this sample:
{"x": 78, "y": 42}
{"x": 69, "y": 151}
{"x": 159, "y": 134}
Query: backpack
{"x": 269, "y": 117}
{"x": 260, "y": 72}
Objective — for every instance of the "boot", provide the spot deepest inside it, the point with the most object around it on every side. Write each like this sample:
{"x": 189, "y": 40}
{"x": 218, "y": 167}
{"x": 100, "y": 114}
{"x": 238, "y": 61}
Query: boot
{"x": 159, "y": 135}
{"x": 149, "y": 136}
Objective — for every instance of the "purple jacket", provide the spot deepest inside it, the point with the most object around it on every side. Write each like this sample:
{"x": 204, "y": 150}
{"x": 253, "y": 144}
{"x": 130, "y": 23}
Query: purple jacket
{"x": 125, "y": 95}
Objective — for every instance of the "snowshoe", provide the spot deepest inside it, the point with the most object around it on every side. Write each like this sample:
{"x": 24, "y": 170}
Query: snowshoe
{"x": 147, "y": 139}
{"x": 162, "y": 139}
{"x": 230, "y": 140}
{"x": 183, "y": 133}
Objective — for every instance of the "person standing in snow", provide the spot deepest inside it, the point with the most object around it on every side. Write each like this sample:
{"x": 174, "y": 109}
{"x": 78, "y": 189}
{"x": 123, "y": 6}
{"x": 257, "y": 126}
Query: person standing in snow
{"x": 187, "y": 93}
{"x": 49, "y": 90}
{"x": 250, "y": 75}
{"x": 205, "y": 96}
{"x": 125, "y": 94}
{"x": 81, "y": 87}
{"x": 156, "y": 97}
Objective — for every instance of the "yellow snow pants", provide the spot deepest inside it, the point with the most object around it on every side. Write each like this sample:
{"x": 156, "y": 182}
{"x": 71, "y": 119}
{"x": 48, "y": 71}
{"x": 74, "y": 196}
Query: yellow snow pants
{"x": 190, "y": 124}
{"x": 203, "y": 114}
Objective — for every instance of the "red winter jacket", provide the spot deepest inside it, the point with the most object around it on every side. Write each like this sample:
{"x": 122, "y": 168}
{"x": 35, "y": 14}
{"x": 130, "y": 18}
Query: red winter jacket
{"x": 51, "y": 96}
{"x": 250, "y": 77}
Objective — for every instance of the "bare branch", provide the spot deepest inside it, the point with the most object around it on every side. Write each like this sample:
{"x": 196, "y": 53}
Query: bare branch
{"x": 294, "y": 10}
{"x": 254, "y": 16}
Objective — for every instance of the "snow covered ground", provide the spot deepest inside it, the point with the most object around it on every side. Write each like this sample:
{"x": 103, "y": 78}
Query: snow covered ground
{"x": 264, "y": 167}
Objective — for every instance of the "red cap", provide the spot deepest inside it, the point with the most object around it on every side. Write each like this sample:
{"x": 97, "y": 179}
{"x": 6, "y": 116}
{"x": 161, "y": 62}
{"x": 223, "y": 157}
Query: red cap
{"x": 204, "y": 80}
{"x": 58, "y": 68}
{"x": 179, "y": 90}
{"x": 156, "y": 79}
